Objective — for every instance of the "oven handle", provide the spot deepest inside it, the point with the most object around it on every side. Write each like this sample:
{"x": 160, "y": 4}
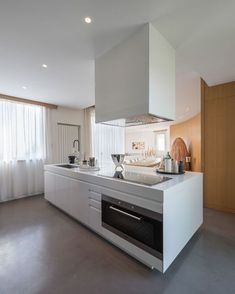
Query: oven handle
{"x": 125, "y": 213}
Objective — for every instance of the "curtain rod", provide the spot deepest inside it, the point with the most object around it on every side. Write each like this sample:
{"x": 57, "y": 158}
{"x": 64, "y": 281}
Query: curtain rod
{"x": 28, "y": 101}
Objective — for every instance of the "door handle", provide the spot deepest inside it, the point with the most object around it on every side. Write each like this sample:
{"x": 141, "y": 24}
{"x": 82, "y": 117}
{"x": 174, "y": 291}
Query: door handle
{"x": 125, "y": 213}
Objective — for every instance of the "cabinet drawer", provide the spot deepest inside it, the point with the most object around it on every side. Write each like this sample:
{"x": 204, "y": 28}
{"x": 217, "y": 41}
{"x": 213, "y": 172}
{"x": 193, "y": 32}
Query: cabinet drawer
{"x": 94, "y": 203}
{"x": 95, "y": 219}
{"x": 93, "y": 194}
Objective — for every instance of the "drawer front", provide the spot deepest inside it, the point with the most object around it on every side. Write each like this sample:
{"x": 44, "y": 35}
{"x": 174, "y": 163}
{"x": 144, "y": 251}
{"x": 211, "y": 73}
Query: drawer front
{"x": 94, "y": 193}
{"x": 94, "y": 203}
{"x": 95, "y": 219}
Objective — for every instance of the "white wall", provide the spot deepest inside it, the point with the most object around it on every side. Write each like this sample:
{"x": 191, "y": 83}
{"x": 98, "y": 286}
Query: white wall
{"x": 188, "y": 96}
{"x": 67, "y": 116}
{"x": 141, "y": 136}
{"x": 145, "y": 134}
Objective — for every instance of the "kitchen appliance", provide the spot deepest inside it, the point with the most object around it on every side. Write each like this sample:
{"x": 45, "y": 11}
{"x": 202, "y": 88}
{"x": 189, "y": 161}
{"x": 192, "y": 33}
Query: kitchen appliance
{"x": 85, "y": 162}
{"x": 135, "y": 80}
{"x": 92, "y": 161}
{"x": 134, "y": 177}
{"x": 139, "y": 226}
{"x": 175, "y": 166}
{"x": 118, "y": 160}
{"x": 181, "y": 167}
{"x": 71, "y": 159}
{"x": 168, "y": 163}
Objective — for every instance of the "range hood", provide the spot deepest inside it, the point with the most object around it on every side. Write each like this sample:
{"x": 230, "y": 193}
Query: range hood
{"x": 135, "y": 81}
{"x": 137, "y": 120}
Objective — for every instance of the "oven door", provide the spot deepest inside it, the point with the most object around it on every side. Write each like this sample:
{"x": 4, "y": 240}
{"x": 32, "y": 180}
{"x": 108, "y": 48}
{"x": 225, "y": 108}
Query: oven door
{"x": 135, "y": 224}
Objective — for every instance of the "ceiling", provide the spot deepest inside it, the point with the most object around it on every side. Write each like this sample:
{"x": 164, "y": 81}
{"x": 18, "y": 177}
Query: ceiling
{"x": 53, "y": 32}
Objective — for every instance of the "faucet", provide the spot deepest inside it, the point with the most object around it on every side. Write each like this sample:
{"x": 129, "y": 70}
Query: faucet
{"x": 74, "y": 142}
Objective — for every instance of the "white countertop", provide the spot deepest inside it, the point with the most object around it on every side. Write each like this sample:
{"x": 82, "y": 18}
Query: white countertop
{"x": 124, "y": 186}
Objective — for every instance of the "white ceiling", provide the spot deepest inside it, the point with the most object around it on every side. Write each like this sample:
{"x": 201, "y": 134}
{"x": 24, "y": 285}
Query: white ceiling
{"x": 53, "y": 32}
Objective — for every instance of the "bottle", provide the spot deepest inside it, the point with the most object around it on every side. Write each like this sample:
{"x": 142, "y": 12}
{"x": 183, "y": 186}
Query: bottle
{"x": 162, "y": 164}
{"x": 168, "y": 163}
{"x": 188, "y": 163}
{"x": 181, "y": 167}
{"x": 175, "y": 166}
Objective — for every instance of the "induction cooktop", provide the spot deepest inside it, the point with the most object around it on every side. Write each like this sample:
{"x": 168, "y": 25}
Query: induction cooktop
{"x": 134, "y": 177}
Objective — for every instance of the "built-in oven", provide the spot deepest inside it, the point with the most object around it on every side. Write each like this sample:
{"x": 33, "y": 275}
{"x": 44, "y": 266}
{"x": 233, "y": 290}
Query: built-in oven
{"x": 140, "y": 226}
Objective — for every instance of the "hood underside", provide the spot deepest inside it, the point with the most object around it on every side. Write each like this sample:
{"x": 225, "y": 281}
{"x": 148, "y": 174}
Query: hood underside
{"x": 136, "y": 120}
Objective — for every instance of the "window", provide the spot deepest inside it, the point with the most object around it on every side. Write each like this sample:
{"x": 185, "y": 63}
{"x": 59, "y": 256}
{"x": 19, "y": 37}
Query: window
{"x": 161, "y": 142}
{"x": 105, "y": 140}
{"x": 22, "y": 131}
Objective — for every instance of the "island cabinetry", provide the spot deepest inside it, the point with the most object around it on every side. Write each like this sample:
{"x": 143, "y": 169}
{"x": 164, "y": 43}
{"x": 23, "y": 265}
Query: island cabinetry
{"x": 80, "y": 199}
{"x": 94, "y": 212}
{"x": 178, "y": 203}
{"x": 49, "y": 183}
{"x": 78, "y": 193}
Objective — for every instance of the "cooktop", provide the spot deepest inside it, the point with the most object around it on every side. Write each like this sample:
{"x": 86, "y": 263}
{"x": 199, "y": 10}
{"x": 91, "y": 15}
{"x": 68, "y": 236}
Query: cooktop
{"x": 138, "y": 178}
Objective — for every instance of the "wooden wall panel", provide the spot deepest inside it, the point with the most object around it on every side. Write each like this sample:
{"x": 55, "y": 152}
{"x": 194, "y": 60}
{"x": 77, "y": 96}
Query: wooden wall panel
{"x": 190, "y": 132}
{"x": 219, "y": 147}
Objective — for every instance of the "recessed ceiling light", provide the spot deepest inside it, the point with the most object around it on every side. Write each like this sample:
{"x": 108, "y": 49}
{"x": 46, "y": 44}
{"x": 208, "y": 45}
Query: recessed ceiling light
{"x": 44, "y": 65}
{"x": 24, "y": 87}
{"x": 87, "y": 19}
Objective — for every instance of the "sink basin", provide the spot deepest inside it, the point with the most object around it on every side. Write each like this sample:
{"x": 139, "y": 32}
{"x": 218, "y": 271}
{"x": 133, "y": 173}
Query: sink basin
{"x": 67, "y": 165}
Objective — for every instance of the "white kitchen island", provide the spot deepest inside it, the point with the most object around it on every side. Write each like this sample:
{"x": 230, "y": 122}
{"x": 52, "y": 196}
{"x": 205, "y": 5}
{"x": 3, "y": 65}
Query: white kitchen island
{"x": 179, "y": 203}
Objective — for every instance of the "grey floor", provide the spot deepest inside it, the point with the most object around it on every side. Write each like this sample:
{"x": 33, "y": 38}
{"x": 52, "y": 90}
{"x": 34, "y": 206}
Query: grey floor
{"x": 42, "y": 250}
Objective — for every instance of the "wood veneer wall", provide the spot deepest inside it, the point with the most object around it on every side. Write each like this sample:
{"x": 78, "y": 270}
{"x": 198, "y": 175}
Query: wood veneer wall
{"x": 218, "y": 133}
{"x": 190, "y": 132}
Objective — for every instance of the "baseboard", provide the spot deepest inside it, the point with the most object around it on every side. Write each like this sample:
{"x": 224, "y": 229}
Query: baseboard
{"x": 219, "y": 208}
{"x": 21, "y": 197}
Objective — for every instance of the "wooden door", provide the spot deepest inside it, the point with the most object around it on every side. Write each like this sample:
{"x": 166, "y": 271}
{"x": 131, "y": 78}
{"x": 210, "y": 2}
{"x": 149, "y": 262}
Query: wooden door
{"x": 219, "y": 146}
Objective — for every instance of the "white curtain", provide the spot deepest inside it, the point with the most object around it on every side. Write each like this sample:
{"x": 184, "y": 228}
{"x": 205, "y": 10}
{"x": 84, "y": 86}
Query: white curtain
{"x": 66, "y": 136}
{"x": 88, "y": 121}
{"x": 24, "y": 148}
{"x": 105, "y": 140}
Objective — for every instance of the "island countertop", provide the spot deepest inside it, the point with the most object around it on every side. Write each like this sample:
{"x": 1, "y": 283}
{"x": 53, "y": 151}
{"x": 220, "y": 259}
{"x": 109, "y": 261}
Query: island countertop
{"x": 154, "y": 192}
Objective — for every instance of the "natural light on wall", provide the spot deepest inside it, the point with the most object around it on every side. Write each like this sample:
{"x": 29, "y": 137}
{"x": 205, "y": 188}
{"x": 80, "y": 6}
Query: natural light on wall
{"x": 161, "y": 142}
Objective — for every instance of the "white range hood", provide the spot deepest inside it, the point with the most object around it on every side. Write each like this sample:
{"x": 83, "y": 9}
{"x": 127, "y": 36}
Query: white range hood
{"x": 135, "y": 81}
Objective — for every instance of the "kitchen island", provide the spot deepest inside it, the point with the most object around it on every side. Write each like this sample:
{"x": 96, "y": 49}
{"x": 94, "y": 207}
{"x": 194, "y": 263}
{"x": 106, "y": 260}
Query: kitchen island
{"x": 163, "y": 216}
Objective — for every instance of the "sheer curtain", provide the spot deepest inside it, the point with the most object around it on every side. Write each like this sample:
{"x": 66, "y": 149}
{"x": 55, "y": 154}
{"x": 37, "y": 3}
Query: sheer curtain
{"x": 24, "y": 148}
{"x": 105, "y": 140}
{"x": 66, "y": 136}
{"x": 89, "y": 116}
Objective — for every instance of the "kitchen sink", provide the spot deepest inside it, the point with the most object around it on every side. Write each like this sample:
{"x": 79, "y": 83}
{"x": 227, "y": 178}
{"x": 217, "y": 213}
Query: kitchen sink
{"x": 67, "y": 165}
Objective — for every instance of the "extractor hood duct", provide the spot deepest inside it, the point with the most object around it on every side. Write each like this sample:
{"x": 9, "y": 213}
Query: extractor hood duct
{"x": 135, "y": 81}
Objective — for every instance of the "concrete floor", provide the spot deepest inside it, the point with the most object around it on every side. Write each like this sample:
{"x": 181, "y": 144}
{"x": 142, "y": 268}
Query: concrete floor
{"x": 42, "y": 250}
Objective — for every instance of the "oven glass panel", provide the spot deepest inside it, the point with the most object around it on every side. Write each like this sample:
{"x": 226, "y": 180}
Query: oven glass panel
{"x": 127, "y": 223}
